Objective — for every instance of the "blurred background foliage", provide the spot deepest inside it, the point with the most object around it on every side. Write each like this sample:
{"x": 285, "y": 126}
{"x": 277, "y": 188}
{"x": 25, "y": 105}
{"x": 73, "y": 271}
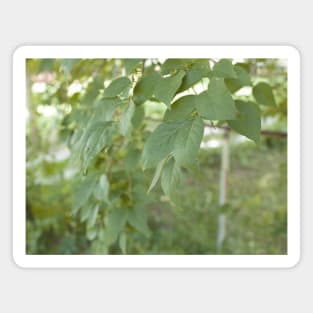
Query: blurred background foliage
{"x": 60, "y": 93}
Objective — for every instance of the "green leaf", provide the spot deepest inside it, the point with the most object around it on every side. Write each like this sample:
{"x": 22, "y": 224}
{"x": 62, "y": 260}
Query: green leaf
{"x": 83, "y": 193}
{"x": 117, "y": 86}
{"x": 263, "y": 94}
{"x": 171, "y": 176}
{"x": 144, "y": 89}
{"x": 101, "y": 192}
{"x": 132, "y": 159}
{"x": 126, "y": 119}
{"x": 122, "y": 242}
{"x": 181, "y": 108}
{"x": 181, "y": 138}
{"x": 171, "y": 66}
{"x": 130, "y": 65}
{"x": 91, "y": 232}
{"x": 157, "y": 174}
{"x": 85, "y": 212}
{"x": 115, "y": 223}
{"x": 188, "y": 140}
{"x": 138, "y": 116}
{"x": 166, "y": 88}
{"x": 93, "y": 90}
{"x": 224, "y": 68}
{"x": 216, "y": 103}
{"x": 137, "y": 218}
{"x": 248, "y": 122}
{"x": 92, "y": 217}
{"x": 198, "y": 70}
{"x": 160, "y": 143}
{"x": 97, "y": 136}
{"x": 243, "y": 79}
{"x": 104, "y": 109}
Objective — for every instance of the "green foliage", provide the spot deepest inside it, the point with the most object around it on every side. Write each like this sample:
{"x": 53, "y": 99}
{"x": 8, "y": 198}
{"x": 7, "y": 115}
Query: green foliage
{"x": 263, "y": 94}
{"x": 119, "y": 153}
{"x": 166, "y": 87}
{"x": 224, "y": 69}
{"x": 248, "y": 121}
{"x": 216, "y": 103}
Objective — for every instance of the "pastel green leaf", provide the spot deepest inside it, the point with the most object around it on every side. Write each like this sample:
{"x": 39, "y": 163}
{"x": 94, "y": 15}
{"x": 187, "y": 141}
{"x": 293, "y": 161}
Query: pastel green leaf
{"x": 122, "y": 242}
{"x": 166, "y": 88}
{"x": 137, "y": 217}
{"x": 263, "y": 94}
{"x": 126, "y": 119}
{"x": 243, "y": 79}
{"x": 170, "y": 66}
{"x": 248, "y": 122}
{"x": 101, "y": 191}
{"x": 144, "y": 89}
{"x": 96, "y": 137}
{"x": 160, "y": 143}
{"x": 170, "y": 178}
{"x": 188, "y": 140}
{"x": 93, "y": 216}
{"x": 224, "y": 68}
{"x": 157, "y": 174}
{"x": 117, "y": 87}
{"x": 130, "y": 65}
{"x": 115, "y": 223}
{"x": 83, "y": 193}
{"x": 138, "y": 116}
{"x": 181, "y": 108}
{"x": 198, "y": 70}
{"x": 216, "y": 103}
{"x": 93, "y": 90}
{"x": 104, "y": 109}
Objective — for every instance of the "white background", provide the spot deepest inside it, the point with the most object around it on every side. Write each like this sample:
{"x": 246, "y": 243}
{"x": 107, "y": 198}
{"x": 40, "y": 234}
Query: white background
{"x": 162, "y": 22}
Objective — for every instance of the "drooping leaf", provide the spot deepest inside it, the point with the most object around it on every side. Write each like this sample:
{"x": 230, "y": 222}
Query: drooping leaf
{"x": 126, "y": 119}
{"x": 93, "y": 90}
{"x": 224, "y": 69}
{"x": 115, "y": 223}
{"x": 171, "y": 176}
{"x": 132, "y": 159}
{"x": 248, "y": 121}
{"x": 263, "y": 94}
{"x": 86, "y": 211}
{"x": 91, "y": 232}
{"x": 97, "y": 136}
{"x": 198, "y": 70}
{"x": 243, "y": 79}
{"x": 181, "y": 108}
{"x": 104, "y": 109}
{"x": 166, "y": 87}
{"x": 137, "y": 217}
{"x": 130, "y": 65}
{"x": 117, "y": 87}
{"x": 83, "y": 193}
{"x": 216, "y": 103}
{"x": 188, "y": 140}
{"x": 157, "y": 174}
{"x": 122, "y": 242}
{"x": 160, "y": 143}
{"x": 101, "y": 191}
{"x": 171, "y": 66}
{"x": 144, "y": 89}
{"x": 93, "y": 216}
{"x": 138, "y": 116}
